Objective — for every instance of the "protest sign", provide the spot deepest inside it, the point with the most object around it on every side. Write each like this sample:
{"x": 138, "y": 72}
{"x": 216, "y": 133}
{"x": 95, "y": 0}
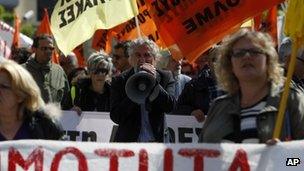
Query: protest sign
{"x": 42, "y": 155}
{"x": 90, "y": 126}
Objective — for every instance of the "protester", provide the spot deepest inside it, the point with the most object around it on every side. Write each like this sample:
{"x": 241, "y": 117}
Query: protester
{"x": 50, "y": 77}
{"x": 285, "y": 54}
{"x": 68, "y": 63}
{"x": 20, "y": 55}
{"x": 198, "y": 94}
{"x": 23, "y": 114}
{"x": 120, "y": 56}
{"x": 248, "y": 69}
{"x": 142, "y": 122}
{"x": 93, "y": 93}
{"x": 180, "y": 79}
{"x": 187, "y": 69}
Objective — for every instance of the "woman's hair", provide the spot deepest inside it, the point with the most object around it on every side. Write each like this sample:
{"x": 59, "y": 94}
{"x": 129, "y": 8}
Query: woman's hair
{"x": 223, "y": 67}
{"x": 153, "y": 49}
{"x": 23, "y": 85}
{"x": 98, "y": 58}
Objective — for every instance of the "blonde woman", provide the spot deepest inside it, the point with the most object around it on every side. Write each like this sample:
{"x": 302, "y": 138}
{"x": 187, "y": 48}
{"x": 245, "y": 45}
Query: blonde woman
{"x": 248, "y": 69}
{"x": 22, "y": 111}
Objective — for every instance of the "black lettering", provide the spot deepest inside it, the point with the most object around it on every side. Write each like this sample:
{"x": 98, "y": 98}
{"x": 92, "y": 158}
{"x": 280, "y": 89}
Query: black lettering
{"x": 87, "y": 4}
{"x": 95, "y": 2}
{"x": 157, "y": 8}
{"x": 181, "y": 135}
{"x": 63, "y": 21}
{"x": 102, "y": 1}
{"x": 79, "y": 6}
{"x": 73, "y": 135}
{"x": 62, "y": 2}
{"x": 131, "y": 25}
{"x": 140, "y": 3}
{"x": 218, "y": 6}
{"x": 146, "y": 13}
{"x": 89, "y": 136}
{"x": 204, "y": 18}
{"x": 141, "y": 18}
{"x": 70, "y": 13}
{"x": 232, "y": 3}
{"x": 165, "y": 4}
{"x": 150, "y": 36}
{"x": 171, "y": 135}
{"x": 190, "y": 25}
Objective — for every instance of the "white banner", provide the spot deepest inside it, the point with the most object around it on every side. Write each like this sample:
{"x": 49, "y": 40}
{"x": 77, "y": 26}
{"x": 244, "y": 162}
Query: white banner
{"x": 42, "y": 155}
{"x": 183, "y": 129}
{"x": 6, "y": 38}
{"x": 89, "y": 126}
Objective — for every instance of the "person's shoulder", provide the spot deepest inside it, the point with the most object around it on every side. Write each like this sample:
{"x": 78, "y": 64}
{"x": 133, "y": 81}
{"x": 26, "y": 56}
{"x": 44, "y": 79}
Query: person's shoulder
{"x": 56, "y": 67}
{"x": 165, "y": 73}
{"x": 124, "y": 75}
{"x": 223, "y": 99}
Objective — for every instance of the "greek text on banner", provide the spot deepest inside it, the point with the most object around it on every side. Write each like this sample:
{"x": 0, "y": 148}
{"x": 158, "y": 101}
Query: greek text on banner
{"x": 75, "y": 21}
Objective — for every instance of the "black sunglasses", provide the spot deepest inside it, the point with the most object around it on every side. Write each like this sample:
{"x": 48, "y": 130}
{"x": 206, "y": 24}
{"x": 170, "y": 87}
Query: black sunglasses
{"x": 242, "y": 52}
{"x": 47, "y": 48}
{"x": 101, "y": 70}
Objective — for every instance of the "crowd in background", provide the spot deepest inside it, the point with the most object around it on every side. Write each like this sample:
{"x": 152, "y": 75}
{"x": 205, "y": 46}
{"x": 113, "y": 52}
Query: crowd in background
{"x": 236, "y": 83}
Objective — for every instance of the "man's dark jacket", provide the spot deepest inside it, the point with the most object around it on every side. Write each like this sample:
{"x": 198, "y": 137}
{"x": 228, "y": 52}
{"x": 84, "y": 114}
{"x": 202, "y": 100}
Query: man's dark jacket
{"x": 127, "y": 114}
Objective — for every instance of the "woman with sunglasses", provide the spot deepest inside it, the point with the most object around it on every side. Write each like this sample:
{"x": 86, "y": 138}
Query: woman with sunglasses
{"x": 93, "y": 93}
{"x": 248, "y": 69}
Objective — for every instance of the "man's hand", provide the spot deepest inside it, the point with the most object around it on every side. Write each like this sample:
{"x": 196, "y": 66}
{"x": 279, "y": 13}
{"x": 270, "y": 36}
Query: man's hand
{"x": 77, "y": 110}
{"x": 199, "y": 115}
{"x": 148, "y": 68}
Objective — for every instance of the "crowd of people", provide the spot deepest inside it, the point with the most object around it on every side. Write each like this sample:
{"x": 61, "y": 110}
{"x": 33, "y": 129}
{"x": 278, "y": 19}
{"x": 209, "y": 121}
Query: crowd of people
{"x": 234, "y": 88}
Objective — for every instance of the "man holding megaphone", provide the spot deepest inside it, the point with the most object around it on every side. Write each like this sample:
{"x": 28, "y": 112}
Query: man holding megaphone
{"x": 141, "y": 95}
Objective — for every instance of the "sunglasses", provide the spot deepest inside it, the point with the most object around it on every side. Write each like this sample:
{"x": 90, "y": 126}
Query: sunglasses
{"x": 46, "y": 48}
{"x": 101, "y": 70}
{"x": 251, "y": 52}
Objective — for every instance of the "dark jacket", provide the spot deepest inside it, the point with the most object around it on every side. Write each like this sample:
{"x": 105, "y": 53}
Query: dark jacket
{"x": 127, "y": 114}
{"x": 43, "y": 124}
{"x": 89, "y": 100}
{"x": 51, "y": 79}
{"x": 197, "y": 94}
{"x": 224, "y": 114}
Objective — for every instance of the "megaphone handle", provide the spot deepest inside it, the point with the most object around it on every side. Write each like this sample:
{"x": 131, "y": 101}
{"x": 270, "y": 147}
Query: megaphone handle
{"x": 154, "y": 92}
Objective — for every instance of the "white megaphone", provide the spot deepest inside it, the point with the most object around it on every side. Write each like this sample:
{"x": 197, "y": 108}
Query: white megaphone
{"x": 139, "y": 86}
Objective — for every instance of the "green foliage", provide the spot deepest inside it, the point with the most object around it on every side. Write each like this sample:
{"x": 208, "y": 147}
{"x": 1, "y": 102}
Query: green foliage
{"x": 28, "y": 29}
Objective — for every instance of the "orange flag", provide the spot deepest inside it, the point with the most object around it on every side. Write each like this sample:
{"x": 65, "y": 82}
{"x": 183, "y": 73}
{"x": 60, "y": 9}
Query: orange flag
{"x": 44, "y": 28}
{"x": 194, "y": 26}
{"x": 267, "y": 22}
{"x": 16, "y": 36}
{"x": 128, "y": 30}
{"x": 79, "y": 54}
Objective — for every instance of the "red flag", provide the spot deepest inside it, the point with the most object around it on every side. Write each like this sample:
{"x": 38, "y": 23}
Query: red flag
{"x": 44, "y": 28}
{"x": 16, "y": 37}
{"x": 267, "y": 22}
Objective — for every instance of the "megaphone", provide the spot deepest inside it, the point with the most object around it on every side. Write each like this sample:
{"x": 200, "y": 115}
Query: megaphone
{"x": 139, "y": 86}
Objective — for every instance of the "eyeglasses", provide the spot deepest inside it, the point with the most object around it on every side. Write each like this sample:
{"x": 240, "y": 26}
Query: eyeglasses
{"x": 101, "y": 70}
{"x": 46, "y": 48}
{"x": 242, "y": 52}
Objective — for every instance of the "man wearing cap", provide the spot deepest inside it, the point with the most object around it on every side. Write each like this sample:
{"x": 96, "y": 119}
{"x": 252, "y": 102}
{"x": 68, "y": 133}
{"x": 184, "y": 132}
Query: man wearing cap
{"x": 285, "y": 54}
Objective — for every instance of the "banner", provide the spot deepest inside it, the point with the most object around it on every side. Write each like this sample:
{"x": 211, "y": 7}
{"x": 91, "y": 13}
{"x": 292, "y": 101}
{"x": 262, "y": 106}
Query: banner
{"x": 183, "y": 129}
{"x": 90, "y": 126}
{"x": 128, "y": 31}
{"x": 195, "y": 25}
{"x": 75, "y": 21}
{"x": 42, "y": 155}
{"x": 6, "y": 39}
